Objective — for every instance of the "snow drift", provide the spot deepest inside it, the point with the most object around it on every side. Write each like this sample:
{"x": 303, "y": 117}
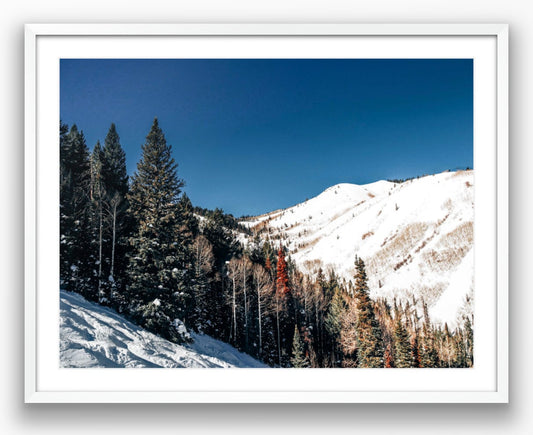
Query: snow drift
{"x": 96, "y": 336}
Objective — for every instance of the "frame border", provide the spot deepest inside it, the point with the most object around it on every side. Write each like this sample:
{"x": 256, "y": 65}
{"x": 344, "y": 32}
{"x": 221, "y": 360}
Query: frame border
{"x": 499, "y": 31}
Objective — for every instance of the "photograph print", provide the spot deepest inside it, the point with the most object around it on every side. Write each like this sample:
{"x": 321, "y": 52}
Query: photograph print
{"x": 266, "y": 213}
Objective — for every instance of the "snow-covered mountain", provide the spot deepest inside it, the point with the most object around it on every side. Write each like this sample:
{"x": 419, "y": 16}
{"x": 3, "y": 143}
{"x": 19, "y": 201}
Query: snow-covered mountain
{"x": 416, "y": 237}
{"x": 96, "y": 336}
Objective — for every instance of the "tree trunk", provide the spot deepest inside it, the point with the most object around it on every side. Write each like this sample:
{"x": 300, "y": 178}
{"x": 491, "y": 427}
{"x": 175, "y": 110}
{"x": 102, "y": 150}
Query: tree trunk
{"x": 277, "y": 323}
{"x": 245, "y": 306}
{"x": 259, "y": 322}
{"x": 112, "y": 274}
{"x": 100, "y": 212}
{"x": 234, "y": 314}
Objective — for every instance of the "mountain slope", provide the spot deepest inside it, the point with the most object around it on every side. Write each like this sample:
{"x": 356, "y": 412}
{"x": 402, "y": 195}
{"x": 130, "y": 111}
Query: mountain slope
{"x": 95, "y": 336}
{"x": 415, "y": 237}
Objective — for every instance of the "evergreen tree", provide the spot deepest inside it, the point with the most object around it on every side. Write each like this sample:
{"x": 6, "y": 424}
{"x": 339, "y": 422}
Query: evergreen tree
{"x": 369, "y": 336}
{"x": 333, "y": 323}
{"x": 402, "y": 348}
{"x": 298, "y": 359}
{"x": 77, "y": 261}
{"x": 415, "y": 351}
{"x": 158, "y": 266}
{"x": 469, "y": 342}
{"x": 114, "y": 171}
{"x": 281, "y": 306}
{"x": 97, "y": 195}
{"x": 428, "y": 352}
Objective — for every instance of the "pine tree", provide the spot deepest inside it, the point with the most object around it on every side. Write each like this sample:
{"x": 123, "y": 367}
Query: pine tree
{"x": 469, "y": 342}
{"x": 402, "y": 348}
{"x": 114, "y": 171}
{"x": 77, "y": 261}
{"x": 298, "y": 359}
{"x": 280, "y": 300}
{"x": 369, "y": 336}
{"x": 97, "y": 195}
{"x": 428, "y": 352}
{"x": 333, "y": 323}
{"x": 415, "y": 351}
{"x": 111, "y": 181}
{"x": 159, "y": 262}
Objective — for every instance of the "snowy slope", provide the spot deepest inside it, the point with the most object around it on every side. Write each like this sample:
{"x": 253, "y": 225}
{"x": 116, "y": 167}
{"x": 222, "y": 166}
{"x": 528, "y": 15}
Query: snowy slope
{"x": 415, "y": 237}
{"x": 95, "y": 336}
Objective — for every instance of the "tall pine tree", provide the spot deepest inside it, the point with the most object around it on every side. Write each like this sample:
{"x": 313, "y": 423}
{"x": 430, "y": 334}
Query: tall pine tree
{"x": 117, "y": 224}
{"x": 369, "y": 338}
{"x": 160, "y": 259}
{"x": 77, "y": 266}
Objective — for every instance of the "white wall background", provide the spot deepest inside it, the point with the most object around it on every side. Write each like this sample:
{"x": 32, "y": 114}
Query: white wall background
{"x": 17, "y": 418}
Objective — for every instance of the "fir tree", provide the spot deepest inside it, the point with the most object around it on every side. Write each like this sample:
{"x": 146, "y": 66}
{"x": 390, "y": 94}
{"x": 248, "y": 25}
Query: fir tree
{"x": 280, "y": 300}
{"x": 77, "y": 259}
{"x": 114, "y": 171}
{"x": 97, "y": 195}
{"x": 369, "y": 337}
{"x": 428, "y": 352}
{"x": 158, "y": 267}
{"x": 298, "y": 359}
{"x": 117, "y": 224}
{"x": 333, "y": 323}
{"x": 402, "y": 348}
{"x": 469, "y": 342}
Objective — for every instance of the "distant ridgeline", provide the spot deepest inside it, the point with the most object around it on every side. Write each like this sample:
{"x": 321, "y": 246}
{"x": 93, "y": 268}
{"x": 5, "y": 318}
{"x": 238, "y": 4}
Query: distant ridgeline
{"x": 403, "y": 180}
{"x": 140, "y": 247}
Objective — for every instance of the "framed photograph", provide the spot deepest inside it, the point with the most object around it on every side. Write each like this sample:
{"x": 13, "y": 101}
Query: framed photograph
{"x": 259, "y": 213}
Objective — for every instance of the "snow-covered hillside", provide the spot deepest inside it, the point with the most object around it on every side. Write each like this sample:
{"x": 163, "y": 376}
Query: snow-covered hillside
{"x": 415, "y": 237}
{"x": 95, "y": 336}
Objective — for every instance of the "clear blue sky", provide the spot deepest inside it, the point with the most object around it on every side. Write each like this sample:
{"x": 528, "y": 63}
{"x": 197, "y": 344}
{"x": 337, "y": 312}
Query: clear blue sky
{"x": 252, "y": 136}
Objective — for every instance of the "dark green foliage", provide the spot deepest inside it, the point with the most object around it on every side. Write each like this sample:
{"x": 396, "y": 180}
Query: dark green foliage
{"x": 428, "y": 352}
{"x": 402, "y": 348}
{"x": 118, "y": 223}
{"x": 369, "y": 338}
{"x": 159, "y": 262}
{"x": 333, "y": 324}
{"x": 114, "y": 164}
{"x": 77, "y": 263}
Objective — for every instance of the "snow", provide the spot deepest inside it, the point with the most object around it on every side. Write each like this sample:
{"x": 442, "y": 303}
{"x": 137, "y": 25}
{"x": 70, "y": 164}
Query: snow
{"x": 96, "y": 336}
{"x": 415, "y": 237}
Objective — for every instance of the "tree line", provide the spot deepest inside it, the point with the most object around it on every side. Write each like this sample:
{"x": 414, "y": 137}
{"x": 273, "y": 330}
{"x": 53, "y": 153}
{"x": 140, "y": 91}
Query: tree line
{"x": 139, "y": 246}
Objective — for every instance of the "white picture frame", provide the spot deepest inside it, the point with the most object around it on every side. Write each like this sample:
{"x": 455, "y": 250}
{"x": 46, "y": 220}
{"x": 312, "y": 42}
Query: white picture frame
{"x": 45, "y": 44}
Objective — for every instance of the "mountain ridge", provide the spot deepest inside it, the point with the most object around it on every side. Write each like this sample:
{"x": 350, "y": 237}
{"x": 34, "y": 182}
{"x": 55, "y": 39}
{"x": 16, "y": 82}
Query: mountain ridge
{"x": 415, "y": 237}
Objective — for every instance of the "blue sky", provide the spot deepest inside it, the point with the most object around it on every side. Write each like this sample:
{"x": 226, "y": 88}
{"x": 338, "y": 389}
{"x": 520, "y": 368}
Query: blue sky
{"x": 251, "y": 136}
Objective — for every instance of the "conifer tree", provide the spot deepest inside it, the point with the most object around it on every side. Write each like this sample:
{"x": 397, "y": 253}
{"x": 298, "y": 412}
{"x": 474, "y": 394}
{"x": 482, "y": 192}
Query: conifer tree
{"x": 77, "y": 261}
{"x": 369, "y": 336}
{"x": 116, "y": 222}
{"x": 415, "y": 351}
{"x": 97, "y": 195}
{"x": 469, "y": 342}
{"x": 402, "y": 348}
{"x": 333, "y": 322}
{"x": 159, "y": 262}
{"x": 281, "y": 296}
{"x": 298, "y": 359}
{"x": 428, "y": 352}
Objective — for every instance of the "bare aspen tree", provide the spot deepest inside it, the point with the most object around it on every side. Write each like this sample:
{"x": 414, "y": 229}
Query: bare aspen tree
{"x": 264, "y": 289}
{"x": 233, "y": 274}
